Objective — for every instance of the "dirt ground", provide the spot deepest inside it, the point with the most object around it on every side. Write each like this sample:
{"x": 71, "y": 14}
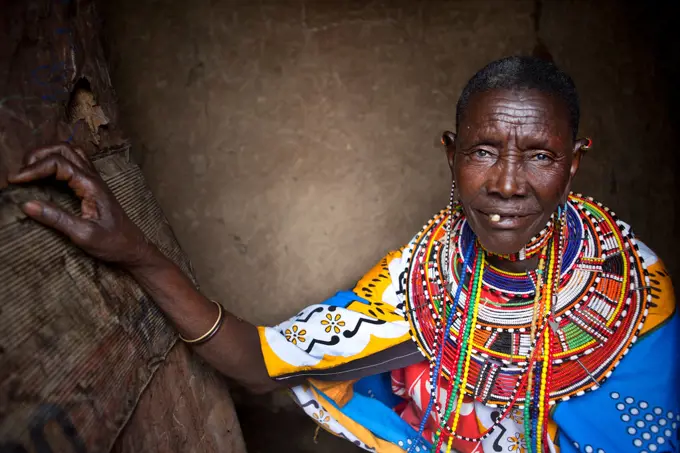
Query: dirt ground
{"x": 293, "y": 143}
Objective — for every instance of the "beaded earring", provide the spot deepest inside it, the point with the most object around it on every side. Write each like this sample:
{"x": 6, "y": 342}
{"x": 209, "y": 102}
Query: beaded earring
{"x": 452, "y": 196}
{"x": 452, "y": 201}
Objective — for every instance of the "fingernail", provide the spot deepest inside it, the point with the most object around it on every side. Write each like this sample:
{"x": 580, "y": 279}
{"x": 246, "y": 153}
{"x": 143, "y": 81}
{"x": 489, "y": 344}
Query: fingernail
{"x": 32, "y": 208}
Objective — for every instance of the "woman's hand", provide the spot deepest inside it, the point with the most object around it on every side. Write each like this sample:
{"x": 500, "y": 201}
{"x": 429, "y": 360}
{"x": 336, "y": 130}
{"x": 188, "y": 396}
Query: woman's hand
{"x": 103, "y": 230}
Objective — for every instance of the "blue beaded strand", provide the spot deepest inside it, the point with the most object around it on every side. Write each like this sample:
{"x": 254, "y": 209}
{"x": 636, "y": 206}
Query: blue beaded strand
{"x": 534, "y": 411}
{"x": 434, "y": 382}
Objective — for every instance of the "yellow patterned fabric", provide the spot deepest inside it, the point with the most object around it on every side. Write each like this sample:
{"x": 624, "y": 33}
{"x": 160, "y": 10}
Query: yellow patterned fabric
{"x": 350, "y": 326}
{"x": 662, "y": 305}
{"x": 325, "y": 345}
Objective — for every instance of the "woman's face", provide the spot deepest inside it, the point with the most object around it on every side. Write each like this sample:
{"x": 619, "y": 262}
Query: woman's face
{"x": 513, "y": 156}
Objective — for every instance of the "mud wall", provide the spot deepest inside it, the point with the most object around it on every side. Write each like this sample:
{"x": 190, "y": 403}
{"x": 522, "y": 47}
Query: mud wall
{"x": 86, "y": 359}
{"x": 292, "y": 143}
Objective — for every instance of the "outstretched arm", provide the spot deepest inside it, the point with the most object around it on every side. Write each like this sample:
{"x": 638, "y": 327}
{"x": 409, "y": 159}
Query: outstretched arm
{"x": 104, "y": 231}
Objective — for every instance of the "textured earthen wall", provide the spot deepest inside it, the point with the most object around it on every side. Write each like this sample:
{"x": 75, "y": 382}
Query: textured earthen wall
{"x": 87, "y": 361}
{"x": 292, "y": 143}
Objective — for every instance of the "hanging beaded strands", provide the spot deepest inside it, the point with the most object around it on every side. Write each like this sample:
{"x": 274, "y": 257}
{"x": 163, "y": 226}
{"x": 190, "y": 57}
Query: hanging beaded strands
{"x": 438, "y": 298}
{"x": 507, "y": 340}
{"x": 536, "y": 409}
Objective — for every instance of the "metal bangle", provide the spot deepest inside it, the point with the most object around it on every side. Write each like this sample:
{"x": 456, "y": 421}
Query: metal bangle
{"x": 212, "y": 331}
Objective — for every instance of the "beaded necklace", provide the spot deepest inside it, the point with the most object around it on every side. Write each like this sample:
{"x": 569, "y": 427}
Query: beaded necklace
{"x": 526, "y": 340}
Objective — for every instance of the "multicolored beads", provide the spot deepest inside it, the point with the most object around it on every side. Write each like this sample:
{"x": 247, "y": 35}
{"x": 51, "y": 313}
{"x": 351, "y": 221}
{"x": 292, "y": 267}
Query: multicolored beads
{"x": 564, "y": 326}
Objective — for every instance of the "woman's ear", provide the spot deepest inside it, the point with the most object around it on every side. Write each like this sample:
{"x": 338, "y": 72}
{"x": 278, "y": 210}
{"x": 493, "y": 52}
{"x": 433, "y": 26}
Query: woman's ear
{"x": 581, "y": 146}
{"x": 448, "y": 138}
{"x": 449, "y": 142}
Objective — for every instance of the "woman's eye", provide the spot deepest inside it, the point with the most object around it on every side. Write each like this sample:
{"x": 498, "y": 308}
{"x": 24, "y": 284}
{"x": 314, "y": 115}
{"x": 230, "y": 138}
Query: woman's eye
{"x": 482, "y": 153}
{"x": 541, "y": 157}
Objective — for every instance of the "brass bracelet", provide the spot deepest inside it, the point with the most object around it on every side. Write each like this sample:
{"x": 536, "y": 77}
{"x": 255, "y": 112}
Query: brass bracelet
{"x": 213, "y": 330}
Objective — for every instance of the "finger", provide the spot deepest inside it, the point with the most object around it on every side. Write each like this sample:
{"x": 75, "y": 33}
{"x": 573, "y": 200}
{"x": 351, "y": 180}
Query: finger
{"x": 49, "y": 215}
{"x": 74, "y": 155}
{"x": 83, "y": 155}
{"x": 63, "y": 170}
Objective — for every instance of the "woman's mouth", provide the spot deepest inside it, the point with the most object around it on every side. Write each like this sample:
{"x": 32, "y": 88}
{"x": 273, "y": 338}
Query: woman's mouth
{"x": 504, "y": 220}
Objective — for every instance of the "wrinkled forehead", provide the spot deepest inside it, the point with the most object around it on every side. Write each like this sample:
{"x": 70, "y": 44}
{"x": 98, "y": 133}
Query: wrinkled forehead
{"x": 527, "y": 114}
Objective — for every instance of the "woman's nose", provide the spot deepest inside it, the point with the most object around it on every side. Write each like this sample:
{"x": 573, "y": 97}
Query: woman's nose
{"x": 506, "y": 179}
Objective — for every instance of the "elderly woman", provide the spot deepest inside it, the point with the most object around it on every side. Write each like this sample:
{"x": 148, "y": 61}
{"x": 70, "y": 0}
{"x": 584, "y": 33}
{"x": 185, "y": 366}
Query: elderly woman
{"x": 521, "y": 318}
